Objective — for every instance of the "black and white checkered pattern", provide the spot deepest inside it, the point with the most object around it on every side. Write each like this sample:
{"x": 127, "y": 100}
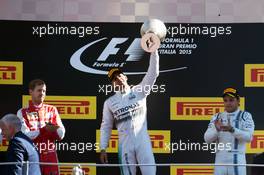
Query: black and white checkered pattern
{"x": 188, "y": 11}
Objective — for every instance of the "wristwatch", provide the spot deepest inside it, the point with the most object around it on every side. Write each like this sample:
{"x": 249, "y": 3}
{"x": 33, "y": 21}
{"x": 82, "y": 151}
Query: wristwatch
{"x": 232, "y": 130}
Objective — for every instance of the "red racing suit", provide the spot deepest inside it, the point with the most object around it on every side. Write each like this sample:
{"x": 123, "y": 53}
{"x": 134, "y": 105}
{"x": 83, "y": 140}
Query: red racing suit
{"x": 34, "y": 119}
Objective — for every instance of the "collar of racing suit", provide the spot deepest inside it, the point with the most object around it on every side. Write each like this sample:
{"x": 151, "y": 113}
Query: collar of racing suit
{"x": 232, "y": 113}
{"x": 33, "y": 107}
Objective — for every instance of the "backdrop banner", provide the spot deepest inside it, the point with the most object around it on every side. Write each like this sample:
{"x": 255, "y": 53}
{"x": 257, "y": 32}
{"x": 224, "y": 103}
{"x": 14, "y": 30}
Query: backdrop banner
{"x": 197, "y": 62}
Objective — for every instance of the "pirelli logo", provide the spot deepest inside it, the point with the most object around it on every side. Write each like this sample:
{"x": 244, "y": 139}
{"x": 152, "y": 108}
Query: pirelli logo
{"x": 70, "y": 107}
{"x": 192, "y": 170}
{"x": 158, "y": 139}
{"x": 254, "y": 75}
{"x": 11, "y": 72}
{"x": 4, "y": 145}
{"x": 197, "y": 108}
{"x": 257, "y": 143}
{"x": 67, "y": 170}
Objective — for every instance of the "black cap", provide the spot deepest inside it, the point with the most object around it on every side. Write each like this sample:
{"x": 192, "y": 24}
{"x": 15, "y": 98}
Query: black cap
{"x": 231, "y": 92}
{"x": 112, "y": 72}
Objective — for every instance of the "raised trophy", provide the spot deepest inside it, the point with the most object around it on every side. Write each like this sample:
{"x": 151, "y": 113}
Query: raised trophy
{"x": 153, "y": 32}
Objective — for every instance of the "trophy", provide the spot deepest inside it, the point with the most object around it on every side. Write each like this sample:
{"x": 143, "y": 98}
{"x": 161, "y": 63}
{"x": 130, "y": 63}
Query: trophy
{"x": 153, "y": 32}
{"x": 77, "y": 170}
{"x": 224, "y": 120}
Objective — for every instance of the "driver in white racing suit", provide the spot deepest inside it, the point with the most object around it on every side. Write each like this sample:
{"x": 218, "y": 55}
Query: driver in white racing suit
{"x": 127, "y": 109}
{"x": 233, "y": 127}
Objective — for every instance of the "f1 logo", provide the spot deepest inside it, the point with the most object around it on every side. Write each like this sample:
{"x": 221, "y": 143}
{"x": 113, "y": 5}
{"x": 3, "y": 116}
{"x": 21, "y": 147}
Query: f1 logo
{"x": 134, "y": 50}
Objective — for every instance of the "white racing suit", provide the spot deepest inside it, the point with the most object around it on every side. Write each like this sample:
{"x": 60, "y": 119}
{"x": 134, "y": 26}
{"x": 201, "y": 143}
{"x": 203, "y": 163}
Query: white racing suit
{"x": 128, "y": 111}
{"x": 243, "y": 131}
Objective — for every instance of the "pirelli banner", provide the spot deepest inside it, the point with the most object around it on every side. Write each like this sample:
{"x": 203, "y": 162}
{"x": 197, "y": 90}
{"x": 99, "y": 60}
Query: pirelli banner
{"x": 197, "y": 61}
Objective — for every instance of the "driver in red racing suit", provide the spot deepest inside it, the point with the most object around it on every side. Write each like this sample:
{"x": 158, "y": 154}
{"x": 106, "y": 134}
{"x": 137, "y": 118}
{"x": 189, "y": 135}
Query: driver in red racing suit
{"x": 42, "y": 123}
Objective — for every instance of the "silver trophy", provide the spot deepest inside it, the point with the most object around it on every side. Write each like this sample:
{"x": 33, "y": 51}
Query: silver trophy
{"x": 224, "y": 120}
{"x": 153, "y": 32}
{"x": 77, "y": 170}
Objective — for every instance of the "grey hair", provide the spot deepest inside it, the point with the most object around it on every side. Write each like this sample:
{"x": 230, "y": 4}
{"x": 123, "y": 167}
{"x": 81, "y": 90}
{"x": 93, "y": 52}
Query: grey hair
{"x": 12, "y": 119}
